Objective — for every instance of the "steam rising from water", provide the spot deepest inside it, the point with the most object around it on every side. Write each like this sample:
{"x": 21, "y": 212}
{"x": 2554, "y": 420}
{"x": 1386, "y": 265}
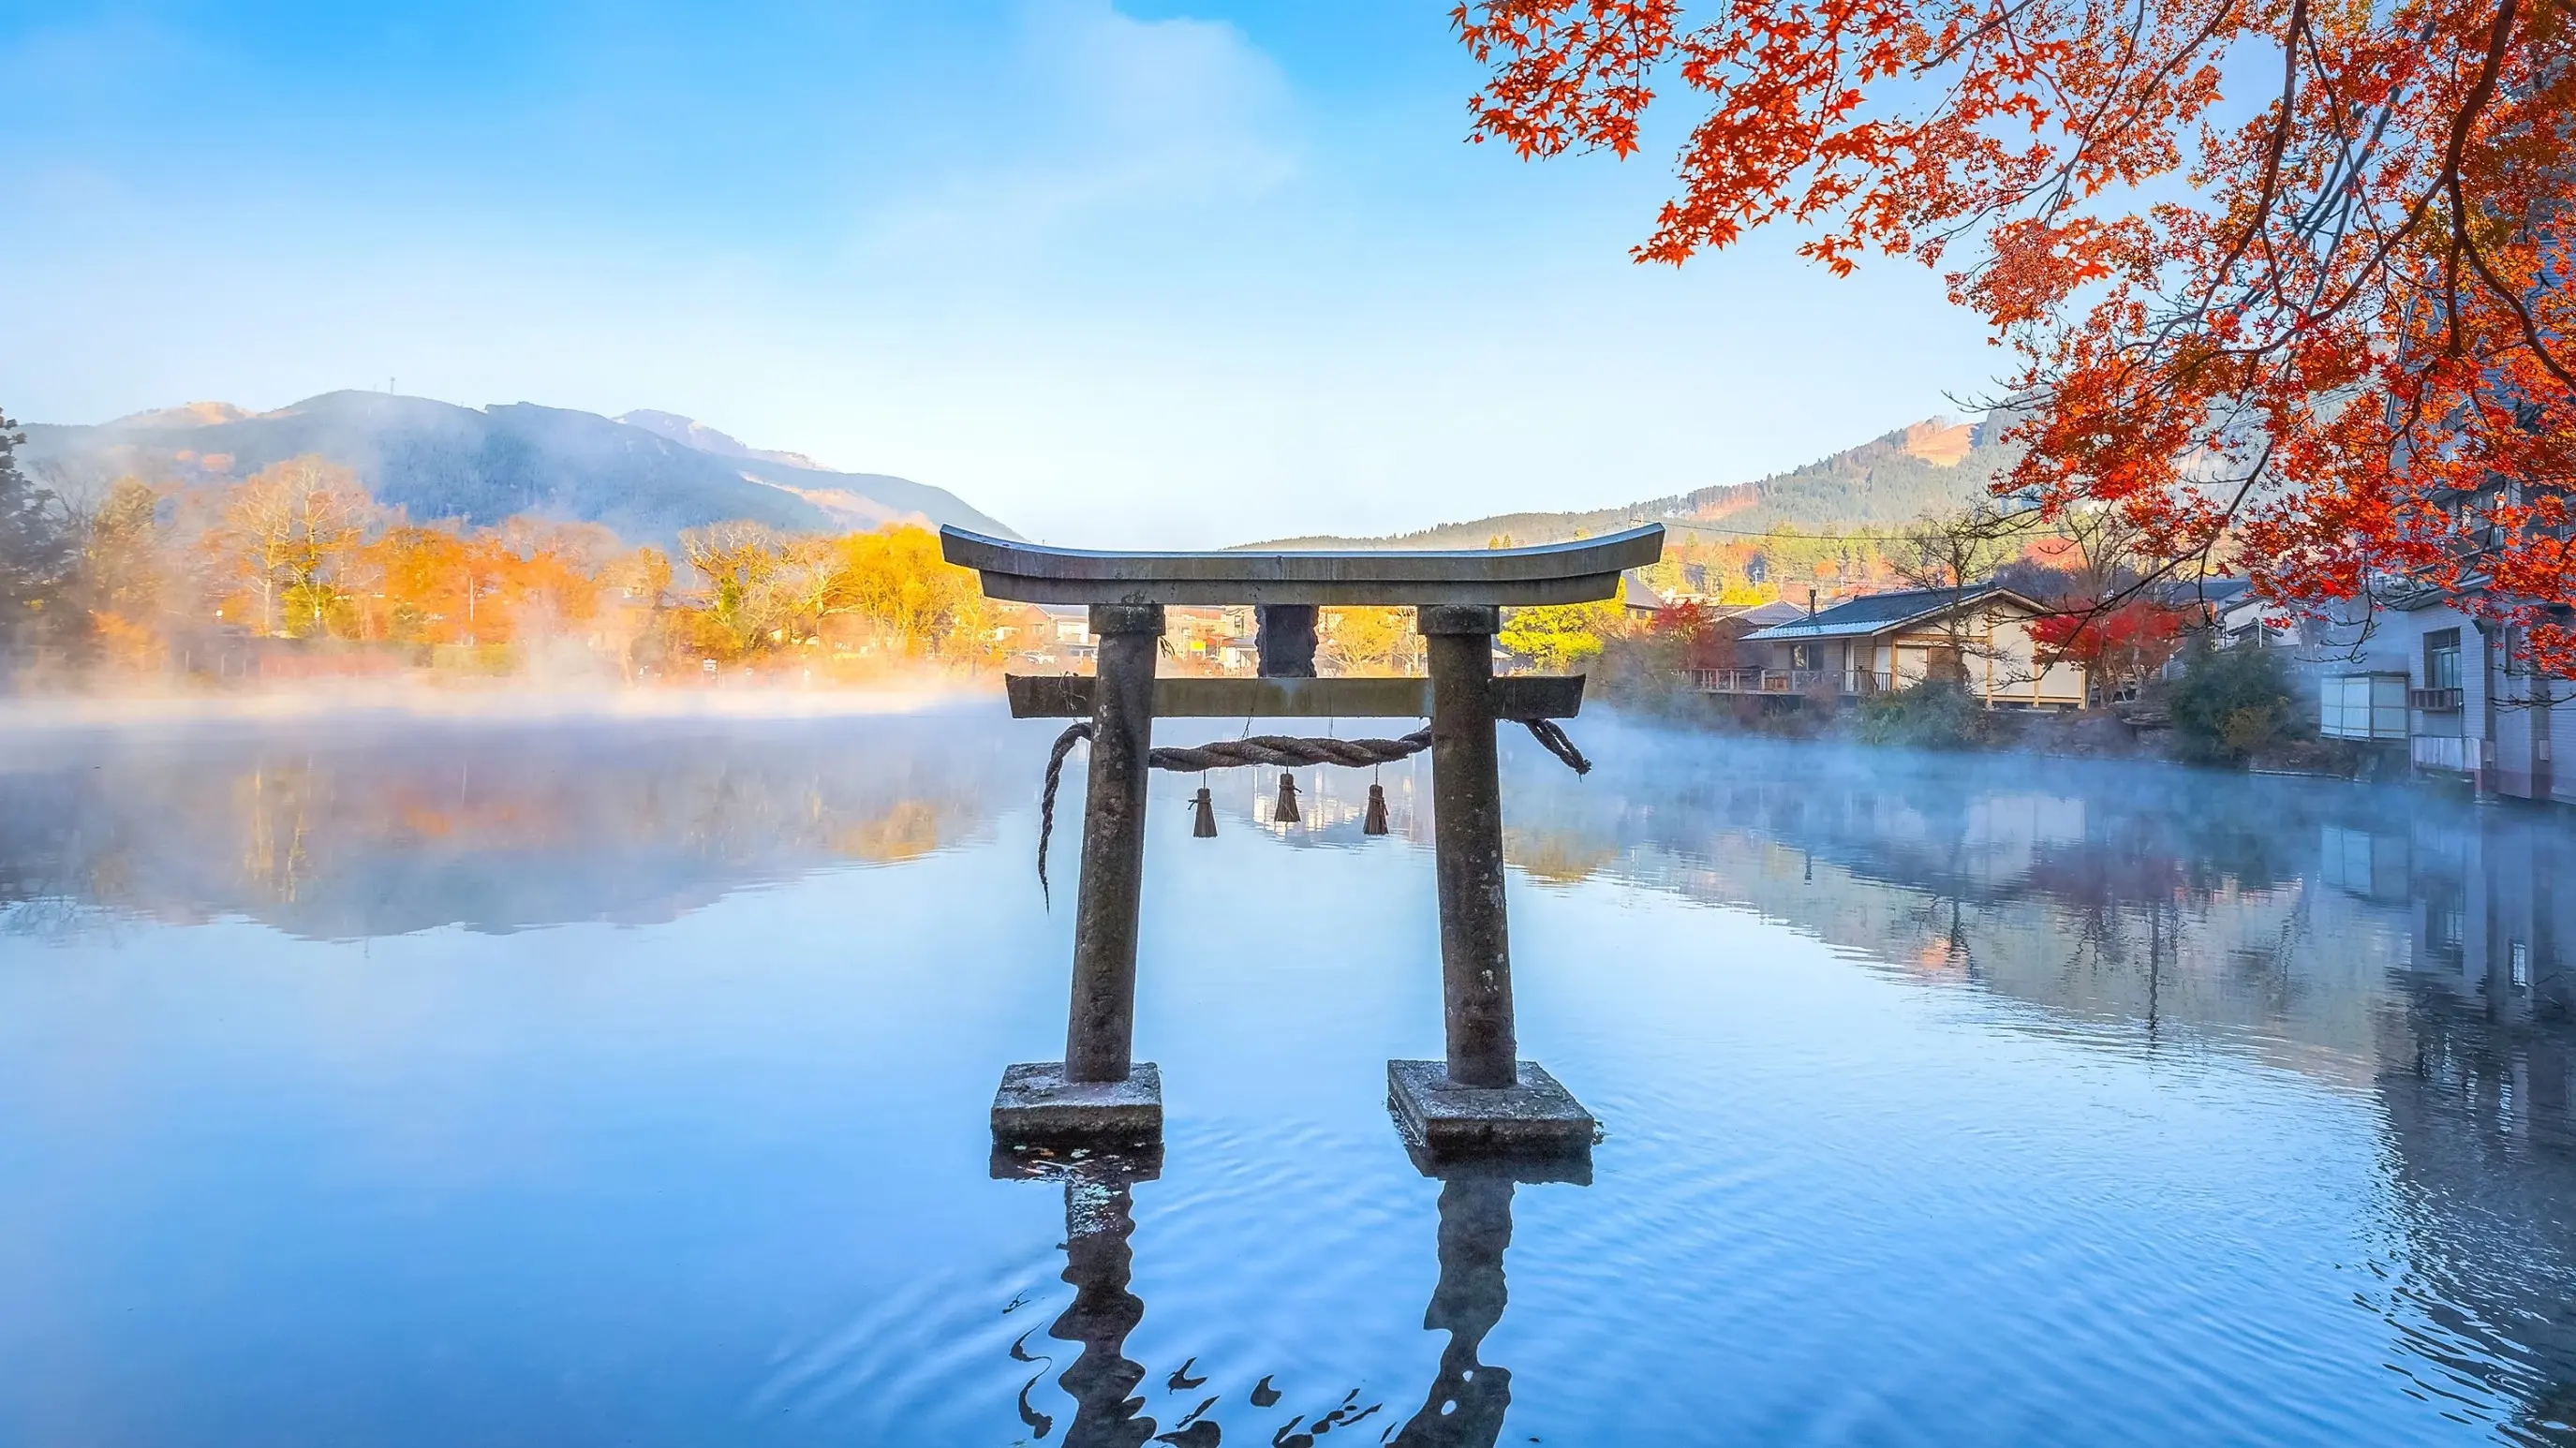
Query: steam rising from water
{"x": 497, "y": 704}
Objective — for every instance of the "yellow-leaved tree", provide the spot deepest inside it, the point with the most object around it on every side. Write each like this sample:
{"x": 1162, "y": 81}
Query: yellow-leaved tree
{"x": 1557, "y": 638}
{"x": 288, "y": 534}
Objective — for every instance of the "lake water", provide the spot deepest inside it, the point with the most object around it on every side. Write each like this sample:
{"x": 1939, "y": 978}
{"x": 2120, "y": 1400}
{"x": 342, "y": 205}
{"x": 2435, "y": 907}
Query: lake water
{"x": 365, "y": 1081}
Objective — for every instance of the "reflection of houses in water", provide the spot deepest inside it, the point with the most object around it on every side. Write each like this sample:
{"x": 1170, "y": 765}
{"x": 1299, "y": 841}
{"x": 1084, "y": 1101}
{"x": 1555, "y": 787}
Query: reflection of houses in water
{"x": 360, "y": 829}
{"x": 2477, "y": 1096}
{"x": 2478, "y": 1081}
{"x": 1331, "y": 802}
{"x": 2487, "y": 918}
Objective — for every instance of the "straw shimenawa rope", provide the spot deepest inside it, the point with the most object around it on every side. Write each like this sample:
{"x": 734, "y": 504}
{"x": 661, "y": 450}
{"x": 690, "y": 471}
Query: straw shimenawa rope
{"x": 1279, "y": 750}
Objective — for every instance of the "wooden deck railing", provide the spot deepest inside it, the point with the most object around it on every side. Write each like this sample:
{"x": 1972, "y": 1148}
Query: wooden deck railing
{"x": 1785, "y": 681}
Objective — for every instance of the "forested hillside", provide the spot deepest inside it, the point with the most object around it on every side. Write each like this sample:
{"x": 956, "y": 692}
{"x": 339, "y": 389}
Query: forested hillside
{"x": 1931, "y": 467}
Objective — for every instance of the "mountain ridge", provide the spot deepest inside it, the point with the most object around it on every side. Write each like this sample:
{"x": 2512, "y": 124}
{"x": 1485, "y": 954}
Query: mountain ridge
{"x": 689, "y": 432}
{"x": 437, "y": 460}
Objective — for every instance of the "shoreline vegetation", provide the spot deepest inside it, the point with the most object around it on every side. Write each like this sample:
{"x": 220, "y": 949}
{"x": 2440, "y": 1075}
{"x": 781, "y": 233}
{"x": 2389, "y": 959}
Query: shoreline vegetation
{"x": 295, "y": 576}
{"x": 2236, "y": 709}
{"x": 292, "y": 591}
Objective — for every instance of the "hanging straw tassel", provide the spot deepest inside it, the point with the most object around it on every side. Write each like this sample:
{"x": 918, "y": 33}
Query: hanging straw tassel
{"x": 1204, "y": 826}
{"x": 1272, "y": 751}
{"x": 1374, "y": 823}
{"x": 1286, "y": 813}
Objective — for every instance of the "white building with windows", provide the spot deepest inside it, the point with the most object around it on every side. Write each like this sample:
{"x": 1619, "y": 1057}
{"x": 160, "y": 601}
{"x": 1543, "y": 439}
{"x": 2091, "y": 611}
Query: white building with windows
{"x": 2447, "y": 687}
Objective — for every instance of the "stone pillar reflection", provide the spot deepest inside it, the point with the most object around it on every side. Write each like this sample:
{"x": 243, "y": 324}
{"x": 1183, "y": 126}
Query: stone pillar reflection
{"x": 1467, "y": 1401}
{"x": 1108, "y": 1413}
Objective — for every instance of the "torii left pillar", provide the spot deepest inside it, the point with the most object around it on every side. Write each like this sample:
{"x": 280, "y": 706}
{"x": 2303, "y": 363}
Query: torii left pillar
{"x": 1098, "y": 1093}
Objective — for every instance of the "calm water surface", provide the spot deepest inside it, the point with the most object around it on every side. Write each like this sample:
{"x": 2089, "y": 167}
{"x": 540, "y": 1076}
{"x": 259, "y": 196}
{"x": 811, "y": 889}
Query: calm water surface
{"x": 369, "y": 1082}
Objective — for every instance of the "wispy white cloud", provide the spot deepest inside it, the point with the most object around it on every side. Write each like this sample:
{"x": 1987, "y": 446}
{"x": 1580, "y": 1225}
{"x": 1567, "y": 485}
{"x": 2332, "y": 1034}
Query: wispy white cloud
{"x": 1116, "y": 116}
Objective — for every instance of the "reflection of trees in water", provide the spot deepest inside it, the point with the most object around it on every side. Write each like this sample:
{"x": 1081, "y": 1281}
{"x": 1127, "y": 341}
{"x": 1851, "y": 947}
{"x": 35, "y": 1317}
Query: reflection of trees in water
{"x": 907, "y": 830}
{"x": 1463, "y": 1408}
{"x": 1979, "y": 828}
{"x": 2369, "y": 937}
{"x": 275, "y": 806}
{"x": 380, "y": 831}
{"x": 2132, "y": 898}
{"x": 1560, "y": 857}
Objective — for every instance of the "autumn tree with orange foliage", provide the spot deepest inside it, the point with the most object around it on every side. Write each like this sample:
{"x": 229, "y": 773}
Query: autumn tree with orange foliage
{"x": 154, "y": 575}
{"x": 121, "y": 578}
{"x": 423, "y": 575}
{"x": 2286, "y": 282}
{"x": 434, "y": 585}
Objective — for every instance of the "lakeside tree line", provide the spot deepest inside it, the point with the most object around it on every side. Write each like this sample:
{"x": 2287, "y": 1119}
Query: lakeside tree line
{"x": 143, "y": 575}
{"x": 150, "y": 577}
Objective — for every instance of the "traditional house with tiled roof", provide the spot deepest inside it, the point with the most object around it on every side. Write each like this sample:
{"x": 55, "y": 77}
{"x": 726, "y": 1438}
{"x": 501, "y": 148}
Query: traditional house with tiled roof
{"x": 1882, "y": 641}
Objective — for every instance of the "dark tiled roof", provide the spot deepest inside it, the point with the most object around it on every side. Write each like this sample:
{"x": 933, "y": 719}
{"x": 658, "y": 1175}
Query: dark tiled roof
{"x": 2215, "y": 592}
{"x": 1635, "y": 592}
{"x": 1873, "y": 612}
{"x": 1764, "y": 615}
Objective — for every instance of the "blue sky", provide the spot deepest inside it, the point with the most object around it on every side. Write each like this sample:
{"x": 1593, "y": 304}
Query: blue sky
{"x": 1142, "y": 273}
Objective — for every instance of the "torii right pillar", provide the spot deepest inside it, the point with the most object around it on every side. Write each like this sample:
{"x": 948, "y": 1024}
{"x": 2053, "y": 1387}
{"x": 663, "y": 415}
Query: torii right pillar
{"x": 1483, "y": 1098}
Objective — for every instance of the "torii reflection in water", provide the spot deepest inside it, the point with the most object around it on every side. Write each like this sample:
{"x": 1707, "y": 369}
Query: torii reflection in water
{"x": 1467, "y": 1400}
{"x": 1099, "y": 1216}
{"x": 1465, "y": 1409}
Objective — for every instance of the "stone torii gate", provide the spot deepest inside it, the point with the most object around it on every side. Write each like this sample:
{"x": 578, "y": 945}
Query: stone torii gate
{"x": 1482, "y": 1097}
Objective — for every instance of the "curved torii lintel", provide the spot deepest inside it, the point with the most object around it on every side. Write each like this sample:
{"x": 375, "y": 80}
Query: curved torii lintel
{"x": 1582, "y": 571}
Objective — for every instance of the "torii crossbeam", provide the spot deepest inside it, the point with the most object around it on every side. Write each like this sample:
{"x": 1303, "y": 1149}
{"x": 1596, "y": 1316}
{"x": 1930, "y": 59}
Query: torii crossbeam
{"x": 1482, "y": 1096}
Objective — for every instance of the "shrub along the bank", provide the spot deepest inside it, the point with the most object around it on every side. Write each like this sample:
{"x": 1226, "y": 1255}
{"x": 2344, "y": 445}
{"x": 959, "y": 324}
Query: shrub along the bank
{"x": 2232, "y": 704}
{"x": 1934, "y": 714}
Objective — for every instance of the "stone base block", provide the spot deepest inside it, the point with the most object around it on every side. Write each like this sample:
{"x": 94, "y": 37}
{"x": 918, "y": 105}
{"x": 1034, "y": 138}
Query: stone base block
{"x": 1037, "y": 1105}
{"x": 1534, "y": 1117}
{"x": 1058, "y": 1161}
